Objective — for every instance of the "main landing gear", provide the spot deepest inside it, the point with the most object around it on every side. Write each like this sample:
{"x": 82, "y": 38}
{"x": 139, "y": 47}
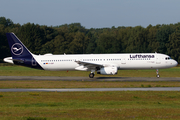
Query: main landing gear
{"x": 157, "y": 72}
{"x": 91, "y": 75}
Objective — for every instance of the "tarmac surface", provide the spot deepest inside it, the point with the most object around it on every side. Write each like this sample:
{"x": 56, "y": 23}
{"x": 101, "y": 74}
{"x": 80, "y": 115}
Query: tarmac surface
{"x": 92, "y": 89}
{"x": 138, "y": 79}
{"x": 120, "y": 79}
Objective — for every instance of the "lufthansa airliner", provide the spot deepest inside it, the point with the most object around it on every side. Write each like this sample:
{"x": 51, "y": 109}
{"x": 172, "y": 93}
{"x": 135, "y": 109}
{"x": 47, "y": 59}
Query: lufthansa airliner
{"x": 106, "y": 64}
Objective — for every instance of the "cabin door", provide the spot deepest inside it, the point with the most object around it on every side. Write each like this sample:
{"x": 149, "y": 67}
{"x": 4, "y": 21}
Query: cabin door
{"x": 158, "y": 59}
{"x": 123, "y": 60}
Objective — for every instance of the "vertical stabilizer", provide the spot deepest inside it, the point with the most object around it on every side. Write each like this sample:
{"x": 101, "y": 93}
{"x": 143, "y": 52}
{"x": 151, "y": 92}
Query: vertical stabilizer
{"x": 17, "y": 48}
{"x": 20, "y": 54}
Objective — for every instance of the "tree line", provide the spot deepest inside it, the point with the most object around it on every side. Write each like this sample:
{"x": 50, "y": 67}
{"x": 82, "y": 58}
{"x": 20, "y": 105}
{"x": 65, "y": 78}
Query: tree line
{"x": 76, "y": 39}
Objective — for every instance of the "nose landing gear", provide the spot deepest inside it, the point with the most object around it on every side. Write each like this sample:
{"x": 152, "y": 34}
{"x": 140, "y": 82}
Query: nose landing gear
{"x": 157, "y": 72}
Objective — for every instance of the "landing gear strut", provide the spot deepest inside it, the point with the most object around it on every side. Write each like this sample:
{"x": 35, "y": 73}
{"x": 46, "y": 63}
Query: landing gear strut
{"x": 91, "y": 75}
{"x": 157, "y": 72}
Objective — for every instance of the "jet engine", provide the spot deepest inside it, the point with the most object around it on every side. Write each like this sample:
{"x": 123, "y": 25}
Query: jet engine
{"x": 107, "y": 71}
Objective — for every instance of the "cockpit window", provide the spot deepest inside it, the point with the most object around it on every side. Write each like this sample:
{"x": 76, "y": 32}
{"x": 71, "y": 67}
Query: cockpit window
{"x": 168, "y": 58}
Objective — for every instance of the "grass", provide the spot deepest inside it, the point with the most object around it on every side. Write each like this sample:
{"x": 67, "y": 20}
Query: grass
{"x": 90, "y": 105}
{"x": 24, "y": 71}
{"x": 138, "y": 105}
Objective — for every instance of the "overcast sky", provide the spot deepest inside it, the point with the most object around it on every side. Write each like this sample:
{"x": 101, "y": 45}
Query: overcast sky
{"x": 92, "y": 13}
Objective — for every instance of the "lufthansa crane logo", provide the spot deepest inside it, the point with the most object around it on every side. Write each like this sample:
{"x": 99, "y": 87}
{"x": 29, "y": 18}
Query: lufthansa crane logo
{"x": 17, "y": 49}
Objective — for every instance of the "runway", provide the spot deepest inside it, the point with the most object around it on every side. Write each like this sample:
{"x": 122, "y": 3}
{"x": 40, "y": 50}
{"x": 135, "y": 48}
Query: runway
{"x": 93, "y": 89}
{"x": 138, "y": 79}
{"x": 120, "y": 79}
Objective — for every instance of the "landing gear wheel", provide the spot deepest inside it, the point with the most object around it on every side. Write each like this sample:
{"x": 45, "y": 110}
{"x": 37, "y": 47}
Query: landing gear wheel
{"x": 157, "y": 75}
{"x": 91, "y": 75}
{"x": 157, "y": 72}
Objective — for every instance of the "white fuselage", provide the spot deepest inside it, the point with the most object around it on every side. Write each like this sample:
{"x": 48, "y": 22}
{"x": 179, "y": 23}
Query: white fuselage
{"x": 121, "y": 61}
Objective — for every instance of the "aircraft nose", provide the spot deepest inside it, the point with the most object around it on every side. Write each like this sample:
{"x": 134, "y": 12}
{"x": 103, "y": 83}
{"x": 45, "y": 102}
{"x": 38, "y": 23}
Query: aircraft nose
{"x": 174, "y": 63}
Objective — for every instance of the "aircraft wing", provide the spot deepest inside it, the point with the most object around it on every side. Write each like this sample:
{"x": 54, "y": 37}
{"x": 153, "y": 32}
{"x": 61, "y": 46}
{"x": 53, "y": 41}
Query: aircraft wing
{"x": 84, "y": 66}
{"x": 87, "y": 65}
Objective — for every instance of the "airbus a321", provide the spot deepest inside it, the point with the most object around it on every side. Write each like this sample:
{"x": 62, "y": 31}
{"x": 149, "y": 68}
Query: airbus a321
{"x": 105, "y": 64}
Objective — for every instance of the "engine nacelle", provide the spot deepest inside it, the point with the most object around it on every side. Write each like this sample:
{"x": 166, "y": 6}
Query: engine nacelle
{"x": 107, "y": 71}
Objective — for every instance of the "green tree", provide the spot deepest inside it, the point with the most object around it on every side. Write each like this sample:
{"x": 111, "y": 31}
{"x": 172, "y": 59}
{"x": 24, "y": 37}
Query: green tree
{"x": 91, "y": 44}
{"x": 6, "y": 22}
{"x": 174, "y": 43}
{"x": 152, "y": 39}
{"x": 106, "y": 43}
{"x": 78, "y": 43}
{"x": 136, "y": 40}
{"x": 4, "y": 47}
{"x": 163, "y": 34}
{"x": 32, "y": 36}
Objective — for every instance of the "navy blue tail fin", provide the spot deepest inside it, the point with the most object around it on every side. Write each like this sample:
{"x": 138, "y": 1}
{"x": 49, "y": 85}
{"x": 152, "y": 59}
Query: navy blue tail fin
{"x": 18, "y": 49}
{"x": 20, "y": 54}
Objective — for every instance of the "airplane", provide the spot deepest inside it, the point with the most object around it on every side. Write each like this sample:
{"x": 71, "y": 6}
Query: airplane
{"x": 105, "y": 64}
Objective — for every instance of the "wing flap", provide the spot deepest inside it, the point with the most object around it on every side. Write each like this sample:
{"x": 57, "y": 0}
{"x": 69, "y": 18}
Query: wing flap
{"x": 89, "y": 64}
{"x": 85, "y": 66}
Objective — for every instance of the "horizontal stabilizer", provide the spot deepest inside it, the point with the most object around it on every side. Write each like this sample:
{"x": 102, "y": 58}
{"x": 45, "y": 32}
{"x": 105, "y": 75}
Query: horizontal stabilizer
{"x": 10, "y": 60}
